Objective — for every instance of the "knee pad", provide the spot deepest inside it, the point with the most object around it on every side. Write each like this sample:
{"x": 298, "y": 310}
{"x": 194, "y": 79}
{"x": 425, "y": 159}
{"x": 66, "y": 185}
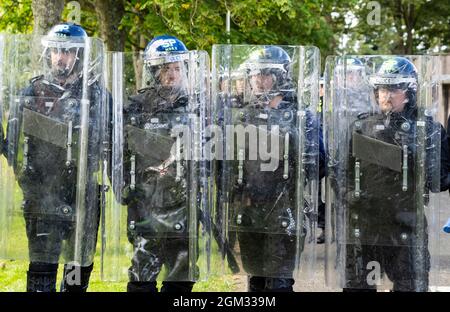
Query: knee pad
{"x": 42, "y": 267}
{"x": 142, "y": 287}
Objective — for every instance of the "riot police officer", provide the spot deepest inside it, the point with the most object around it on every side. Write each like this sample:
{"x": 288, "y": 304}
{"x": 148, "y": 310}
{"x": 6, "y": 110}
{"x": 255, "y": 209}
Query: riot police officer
{"x": 157, "y": 187}
{"x": 321, "y": 205}
{"x": 48, "y": 133}
{"x": 260, "y": 202}
{"x": 386, "y": 224}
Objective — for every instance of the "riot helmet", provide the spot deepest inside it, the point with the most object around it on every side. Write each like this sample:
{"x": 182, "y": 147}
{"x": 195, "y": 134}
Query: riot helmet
{"x": 165, "y": 65}
{"x": 395, "y": 84}
{"x": 355, "y": 72}
{"x": 64, "y": 50}
{"x": 268, "y": 69}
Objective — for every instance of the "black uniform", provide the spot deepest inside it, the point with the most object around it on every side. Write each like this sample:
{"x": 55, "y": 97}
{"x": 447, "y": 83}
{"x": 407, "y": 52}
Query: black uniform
{"x": 37, "y": 148}
{"x": 386, "y": 223}
{"x": 157, "y": 199}
{"x": 321, "y": 204}
{"x": 263, "y": 205}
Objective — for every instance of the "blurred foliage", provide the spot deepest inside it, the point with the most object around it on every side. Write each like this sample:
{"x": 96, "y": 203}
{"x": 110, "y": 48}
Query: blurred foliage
{"x": 406, "y": 27}
{"x": 334, "y": 26}
{"x": 201, "y": 23}
{"x": 16, "y": 16}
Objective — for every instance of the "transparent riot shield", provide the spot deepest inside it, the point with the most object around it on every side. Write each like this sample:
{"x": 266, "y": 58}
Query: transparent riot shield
{"x": 440, "y": 270}
{"x": 383, "y": 176}
{"x": 265, "y": 147}
{"x": 156, "y": 225}
{"x": 3, "y": 165}
{"x": 51, "y": 109}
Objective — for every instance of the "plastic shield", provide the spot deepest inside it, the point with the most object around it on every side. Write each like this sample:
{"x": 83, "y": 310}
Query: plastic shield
{"x": 265, "y": 147}
{"x": 383, "y": 173}
{"x": 155, "y": 217}
{"x": 51, "y": 122}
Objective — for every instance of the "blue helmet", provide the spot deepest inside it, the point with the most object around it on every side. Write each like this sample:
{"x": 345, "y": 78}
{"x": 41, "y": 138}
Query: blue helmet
{"x": 63, "y": 38}
{"x": 163, "y": 49}
{"x": 396, "y": 72}
{"x": 268, "y": 60}
{"x": 160, "y": 51}
{"x": 350, "y": 73}
{"x": 350, "y": 64}
{"x": 65, "y": 35}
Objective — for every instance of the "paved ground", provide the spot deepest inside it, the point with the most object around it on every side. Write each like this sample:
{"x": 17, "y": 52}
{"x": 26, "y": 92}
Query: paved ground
{"x": 440, "y": 258}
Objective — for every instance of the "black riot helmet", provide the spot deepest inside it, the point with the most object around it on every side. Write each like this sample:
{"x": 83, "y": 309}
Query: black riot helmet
{"x": 397, "y": 73}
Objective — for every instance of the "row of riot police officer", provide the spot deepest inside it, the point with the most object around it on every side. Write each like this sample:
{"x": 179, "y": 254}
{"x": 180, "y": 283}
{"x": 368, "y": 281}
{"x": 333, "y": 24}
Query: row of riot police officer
{"x": 225, "y": 164}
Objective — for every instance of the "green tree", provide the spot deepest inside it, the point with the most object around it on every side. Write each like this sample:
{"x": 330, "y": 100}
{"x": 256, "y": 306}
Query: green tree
{"x": 202, "y": 23}
{"x": 16, "y": 16}
{"x": 129, "y": 25}
{"x": 406, "y": 27}
{"x": 46, "y": 14}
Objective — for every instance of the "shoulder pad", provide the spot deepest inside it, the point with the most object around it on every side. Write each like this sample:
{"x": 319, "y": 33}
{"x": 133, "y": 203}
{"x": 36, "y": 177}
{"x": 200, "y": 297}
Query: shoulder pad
{"x": 134, "y": 103}
{"x": 289, "y": 96}
{"x": 143, "y": 90}
{"x": 34, "y": 79}
{"x": 363, "y": 116}
{"x": 285, "y": 104}
{"x": 181, "y": 101}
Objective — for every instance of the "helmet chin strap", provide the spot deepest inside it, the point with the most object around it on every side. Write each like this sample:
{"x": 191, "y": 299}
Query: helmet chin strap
{"x": 387, "y": 119}
{"x": 264, "y": 99}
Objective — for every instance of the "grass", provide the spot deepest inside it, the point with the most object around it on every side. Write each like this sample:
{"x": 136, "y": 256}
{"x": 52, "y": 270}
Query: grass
{"x": 13, "y": 279}
{"x": 13, "y": 272}
{"x": 13, "y": 242}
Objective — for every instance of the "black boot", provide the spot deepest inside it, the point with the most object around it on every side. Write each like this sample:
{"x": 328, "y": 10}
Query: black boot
{"x": 41, "y": 277}
{"x": 76, "y": 278}
{"x": 256, "y": 283}
{"x": 177, "y": 287}
{"x": 359, "y": 290}
{"x": 142, "y": 287}
{"x": 279, "y": 284}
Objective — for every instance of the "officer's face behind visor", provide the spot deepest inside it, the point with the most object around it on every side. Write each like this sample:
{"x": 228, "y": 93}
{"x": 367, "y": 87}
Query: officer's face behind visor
{"x": 391, "y": 99}
{"x": 262, "y": 81}
{"x": 63, "y": 60}
{"x": 171, "y": 74}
